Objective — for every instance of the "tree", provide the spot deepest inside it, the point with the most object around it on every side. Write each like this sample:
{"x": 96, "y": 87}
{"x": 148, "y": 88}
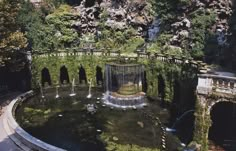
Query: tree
{"x": 12, "y": 41}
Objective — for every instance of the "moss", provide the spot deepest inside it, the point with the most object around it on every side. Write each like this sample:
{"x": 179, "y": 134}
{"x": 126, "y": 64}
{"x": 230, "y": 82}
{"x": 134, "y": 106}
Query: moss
{"x": 154, "y": 68}
{"x": 202, "y": 125}
{"x": 72, "y": 63}
{"x": 111, "y": 145}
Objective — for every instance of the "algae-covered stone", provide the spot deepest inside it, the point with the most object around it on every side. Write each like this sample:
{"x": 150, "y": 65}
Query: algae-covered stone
{"x": 114, "y": 138}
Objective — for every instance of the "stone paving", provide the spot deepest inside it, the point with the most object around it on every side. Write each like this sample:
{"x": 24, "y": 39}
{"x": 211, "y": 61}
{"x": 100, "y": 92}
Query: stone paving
{"x": 6, "y": 144}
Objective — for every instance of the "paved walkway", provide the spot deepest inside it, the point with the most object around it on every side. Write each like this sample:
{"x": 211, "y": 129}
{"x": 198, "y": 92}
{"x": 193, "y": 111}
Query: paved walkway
{"x": 6, "y": 144}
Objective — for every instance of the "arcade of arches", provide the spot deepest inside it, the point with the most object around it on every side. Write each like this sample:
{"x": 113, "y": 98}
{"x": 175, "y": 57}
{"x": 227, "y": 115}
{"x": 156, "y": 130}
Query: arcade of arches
{"x": 176, "y": 85}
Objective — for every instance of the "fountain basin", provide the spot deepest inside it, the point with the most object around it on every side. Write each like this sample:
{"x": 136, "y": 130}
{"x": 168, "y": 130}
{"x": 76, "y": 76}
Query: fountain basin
{"x": 23, "y": 139}
{"x": 67, "y": 124}
{"x": 124, "y": 85}
{"x": 125, "y": 101}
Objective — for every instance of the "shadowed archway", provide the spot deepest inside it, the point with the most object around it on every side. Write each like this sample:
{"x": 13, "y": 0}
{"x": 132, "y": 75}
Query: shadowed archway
{"x": 64, "y": 76}
{"x": 161, "y": 88}
{"x": 99, "y": 75}
{"x": 222, "y": 132}
{"x": 82, "y": 75}
{"x": 144, "y": 82}
{"x": 45, "y": 76}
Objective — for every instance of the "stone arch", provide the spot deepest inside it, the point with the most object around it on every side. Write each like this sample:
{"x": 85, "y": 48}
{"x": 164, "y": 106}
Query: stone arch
{"x": 99, "y": 75}
{"x": 212, "y": 103}
{"x": 64, "y": 76}
{"x": 223, "y": 122}
{"x": 82, "y": 75}
{"x": 161, "y": 87}
{"x": 144, "y": 82}
{"x": 45, "y": 76}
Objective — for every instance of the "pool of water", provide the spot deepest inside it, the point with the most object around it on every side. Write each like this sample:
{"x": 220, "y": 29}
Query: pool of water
{"x": 66, "y": 123}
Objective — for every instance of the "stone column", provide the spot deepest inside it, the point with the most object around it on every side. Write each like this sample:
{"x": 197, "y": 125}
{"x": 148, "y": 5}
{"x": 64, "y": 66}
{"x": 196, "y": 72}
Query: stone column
{"x": 202, "y": 122}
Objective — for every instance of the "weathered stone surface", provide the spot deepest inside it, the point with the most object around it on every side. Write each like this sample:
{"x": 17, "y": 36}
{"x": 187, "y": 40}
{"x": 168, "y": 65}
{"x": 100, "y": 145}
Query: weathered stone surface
{"x": 119, "y": 15}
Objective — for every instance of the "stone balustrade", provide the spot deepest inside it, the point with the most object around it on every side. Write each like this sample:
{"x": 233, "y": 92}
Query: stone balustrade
{"x": 111, "y": 54}
{"x": 209, "y": 83}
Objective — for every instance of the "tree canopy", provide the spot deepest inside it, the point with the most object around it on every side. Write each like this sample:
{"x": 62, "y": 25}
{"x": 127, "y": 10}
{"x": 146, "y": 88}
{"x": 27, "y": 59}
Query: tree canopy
{"x": 12, "y": 41}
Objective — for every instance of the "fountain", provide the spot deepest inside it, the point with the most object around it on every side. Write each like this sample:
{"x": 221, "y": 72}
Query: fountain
{"x": 41, "y": 90}
{"x": 73, "y": 88}
{"x": 124, "y": 86}
{"x": 172, "y": 129}
{"x": 89, "y": 91}
{"x": 57, "y": 93}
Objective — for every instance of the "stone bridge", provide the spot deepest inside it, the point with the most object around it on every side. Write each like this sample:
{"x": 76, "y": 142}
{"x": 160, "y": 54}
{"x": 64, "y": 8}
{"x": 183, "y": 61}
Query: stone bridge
{"x": 212, "y": 88}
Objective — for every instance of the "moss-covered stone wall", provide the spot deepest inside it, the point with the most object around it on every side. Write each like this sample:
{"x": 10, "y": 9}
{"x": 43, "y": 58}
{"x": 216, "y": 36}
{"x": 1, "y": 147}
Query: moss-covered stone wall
{"x": 202, "y": 123}
{"x": 169, "y": 72}
{"x": 72, "y": 63}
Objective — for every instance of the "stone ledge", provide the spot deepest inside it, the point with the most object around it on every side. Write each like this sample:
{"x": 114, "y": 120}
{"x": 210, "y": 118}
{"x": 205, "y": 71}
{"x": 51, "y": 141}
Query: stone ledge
{"x": 18, "y": 135}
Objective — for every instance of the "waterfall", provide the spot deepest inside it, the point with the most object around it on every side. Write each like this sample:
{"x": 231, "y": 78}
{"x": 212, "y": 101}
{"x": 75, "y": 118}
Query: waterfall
{"x": 154, "y": 29}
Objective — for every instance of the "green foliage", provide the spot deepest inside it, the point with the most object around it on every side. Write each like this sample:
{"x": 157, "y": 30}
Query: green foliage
{"x": 51, "y": 33}
{"x": 12, "y": 40}
{"x": 61, "y": 20}
{"x": 201, "y": 22}
{"x": 125, "y": 41}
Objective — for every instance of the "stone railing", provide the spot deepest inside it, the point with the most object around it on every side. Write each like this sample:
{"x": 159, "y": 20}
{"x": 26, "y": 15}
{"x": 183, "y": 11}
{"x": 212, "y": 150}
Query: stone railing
{"x": 24, "y": 140}
{"x": 136, "y": 55}
{"x": 209, "y": 83}
{"x": 78, "y": 53}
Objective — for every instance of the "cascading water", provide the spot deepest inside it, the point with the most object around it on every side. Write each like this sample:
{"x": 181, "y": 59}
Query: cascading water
{"x": 123, "y": 85}
{"x": 41, "y": 90}
{"x": 57, "y": 93}
{"x": 89, "y": 91}
{"x": 154, "y": 29}
{"x": 73, "y": 88}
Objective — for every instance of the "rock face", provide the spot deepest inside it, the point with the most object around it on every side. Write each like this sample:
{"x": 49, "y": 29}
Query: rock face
{"x": 115, "y": 14}
{"x": 222, "y": 9}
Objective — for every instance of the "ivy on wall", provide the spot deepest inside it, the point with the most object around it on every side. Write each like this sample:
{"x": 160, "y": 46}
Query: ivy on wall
{"x": 154, "y": 69}
{"x": 202, "y": 125}
{"x": 72, "y": 63}
{"x": 170, "y": 73}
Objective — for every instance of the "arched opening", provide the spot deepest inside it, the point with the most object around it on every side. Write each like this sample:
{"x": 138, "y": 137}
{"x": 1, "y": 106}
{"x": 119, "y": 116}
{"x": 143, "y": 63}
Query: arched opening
{"x": 64, "y": 76}
{"x": 45, "y": 77}
{"x": 144, "y": 82}
{"x": 222, "y": 133}
{"x": 161, "y": 87}
{"x": 82, "y": 75}
{"x": 99, "y": 75}
{"x": 177, "y": 91}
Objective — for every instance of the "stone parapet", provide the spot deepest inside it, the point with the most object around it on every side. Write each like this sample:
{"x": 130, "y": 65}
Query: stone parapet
{"x": 18, "y": 135}
{"x": 209, "y": 83}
